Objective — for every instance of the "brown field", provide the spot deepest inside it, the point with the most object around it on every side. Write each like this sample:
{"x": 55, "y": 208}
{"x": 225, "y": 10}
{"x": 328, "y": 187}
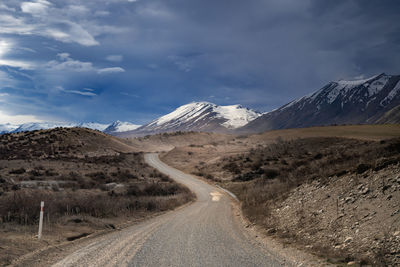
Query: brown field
{"x": 167, "y": 141}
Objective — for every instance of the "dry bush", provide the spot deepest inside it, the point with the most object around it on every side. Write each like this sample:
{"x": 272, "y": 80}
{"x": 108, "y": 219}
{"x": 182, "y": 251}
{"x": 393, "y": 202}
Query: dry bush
{"x": 23, "y": 206}
{"x": 269, "y": 173}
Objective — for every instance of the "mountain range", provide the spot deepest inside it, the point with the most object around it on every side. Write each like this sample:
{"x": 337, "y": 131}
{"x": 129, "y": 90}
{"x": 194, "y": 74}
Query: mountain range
{"x": 112, "y": 128}
{"x": 364, "y": 101}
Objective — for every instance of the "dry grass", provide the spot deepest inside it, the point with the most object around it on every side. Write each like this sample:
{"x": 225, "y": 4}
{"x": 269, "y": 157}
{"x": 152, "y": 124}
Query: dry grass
{"x": 296, "y": 183}
{"x": 363, "y": 132}
{"x": 78, "y": 173}
{"x": 268, "y": 175}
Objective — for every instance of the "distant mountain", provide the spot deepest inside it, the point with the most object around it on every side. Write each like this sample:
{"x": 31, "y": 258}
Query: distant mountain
{"x": 93, "y": 125}
{"x": 32, "y": 126}
{"x": 119, "y": 126}
{"x": 199, "y": 116}
{"x": 372, "y": 100}
{"x": 6, "y": 128}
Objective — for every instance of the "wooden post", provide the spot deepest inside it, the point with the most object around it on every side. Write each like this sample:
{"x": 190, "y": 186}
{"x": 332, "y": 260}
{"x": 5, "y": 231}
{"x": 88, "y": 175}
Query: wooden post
{"x": 41, "y": 219}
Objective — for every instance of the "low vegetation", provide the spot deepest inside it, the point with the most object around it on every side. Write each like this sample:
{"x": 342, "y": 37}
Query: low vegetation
{"x": 78, "y": 181}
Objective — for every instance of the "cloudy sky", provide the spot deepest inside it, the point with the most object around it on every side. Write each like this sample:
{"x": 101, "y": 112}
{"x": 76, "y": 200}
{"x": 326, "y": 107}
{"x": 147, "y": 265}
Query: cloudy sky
{"x": 133, "y": 60}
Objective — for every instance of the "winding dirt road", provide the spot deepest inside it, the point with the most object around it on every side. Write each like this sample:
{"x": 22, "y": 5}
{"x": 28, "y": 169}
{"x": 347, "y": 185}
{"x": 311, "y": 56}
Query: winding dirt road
{"x": 203, "y": 233}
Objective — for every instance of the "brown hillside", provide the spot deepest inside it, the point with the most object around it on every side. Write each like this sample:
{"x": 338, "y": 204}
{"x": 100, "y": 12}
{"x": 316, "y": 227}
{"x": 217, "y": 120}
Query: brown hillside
{"x": 59, "y": 143}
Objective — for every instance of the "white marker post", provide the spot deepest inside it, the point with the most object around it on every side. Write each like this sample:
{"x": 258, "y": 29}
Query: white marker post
{"x": 41, "y": 219}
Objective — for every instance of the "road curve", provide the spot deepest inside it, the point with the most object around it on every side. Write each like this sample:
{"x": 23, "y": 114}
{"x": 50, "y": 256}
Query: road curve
{"x": 204, "y": 233}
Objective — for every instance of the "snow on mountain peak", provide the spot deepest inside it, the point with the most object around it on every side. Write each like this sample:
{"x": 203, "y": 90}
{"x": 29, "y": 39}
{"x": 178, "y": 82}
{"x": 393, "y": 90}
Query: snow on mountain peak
{"x": 235, "y": 115}
{"x": 356, "y": 82}
{"x": 183, "y": 113}
{"x": 117, "y": 126}
{"x": 120, "y": 126}
{"x": 342, "y": 88}
{"x": 93, "y": 125}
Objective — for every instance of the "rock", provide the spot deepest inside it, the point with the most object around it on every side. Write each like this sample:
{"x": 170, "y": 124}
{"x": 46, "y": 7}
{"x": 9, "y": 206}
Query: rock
{"x": 365, "y": 191}
{"x": 397, "y": 233}
{"x": 348, "y": 239}
{"x": 395, "y": 212}
{"x": 351, "y": 263}
{"x": 271, "y": 231}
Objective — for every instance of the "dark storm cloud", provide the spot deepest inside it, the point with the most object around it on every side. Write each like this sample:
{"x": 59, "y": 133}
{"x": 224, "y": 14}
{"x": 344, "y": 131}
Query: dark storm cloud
{"x": 143, "y": 58}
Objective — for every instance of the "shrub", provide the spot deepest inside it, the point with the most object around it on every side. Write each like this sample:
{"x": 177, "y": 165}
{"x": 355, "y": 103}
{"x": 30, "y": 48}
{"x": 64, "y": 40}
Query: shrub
{"x": 232, "y": 167}
{"x": 271, "y": 173}
{"x": 361, "y": 168}
{"x": 18, "y": 171}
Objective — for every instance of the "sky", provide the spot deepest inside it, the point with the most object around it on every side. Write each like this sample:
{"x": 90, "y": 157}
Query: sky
{"x": 135, "y": 60}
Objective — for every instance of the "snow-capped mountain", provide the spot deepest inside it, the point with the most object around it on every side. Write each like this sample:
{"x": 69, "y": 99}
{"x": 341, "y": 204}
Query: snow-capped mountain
{"x": 339, "y": 102}
{"x": 119, "y": 126}
{"x": 6, "y": 128}
{"x": 93, "y": 125}
{"x": 200, "y": 116}
{"x": 32, "y": 126}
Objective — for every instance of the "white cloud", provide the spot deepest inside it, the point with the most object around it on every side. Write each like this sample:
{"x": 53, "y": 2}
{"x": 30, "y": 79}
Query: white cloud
{"x": 17, "y": 119}
{"x": 70, "y": 32}
{"x": 65, "y": 62}
{"x": 77, "y": 92}
{"x": 16, "y": 64}
{"x": 12, "y": 25}
{"x": 68, "y": 25}
{"x": 114, "y": 58}
{"x": 38, "y": 8}
{"x": 110, "y": 70}
{"x": 5, "y": 7}
{"x": 5, "y": 47}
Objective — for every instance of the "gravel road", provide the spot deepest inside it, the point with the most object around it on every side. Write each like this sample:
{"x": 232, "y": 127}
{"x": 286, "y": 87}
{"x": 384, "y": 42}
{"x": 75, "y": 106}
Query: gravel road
{"x": 203, "y": 233}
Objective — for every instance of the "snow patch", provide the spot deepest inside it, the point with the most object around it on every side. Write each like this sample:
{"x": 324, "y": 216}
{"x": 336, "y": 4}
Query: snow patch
{"x": 120, "y": 126}
{"x": 236, "y": 115}
{"x": 392, "y": 94}
{"x": 377, "y": 85}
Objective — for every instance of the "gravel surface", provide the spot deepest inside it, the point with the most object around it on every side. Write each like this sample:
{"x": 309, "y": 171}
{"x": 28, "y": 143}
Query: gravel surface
{"x": 204, "y": 233}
